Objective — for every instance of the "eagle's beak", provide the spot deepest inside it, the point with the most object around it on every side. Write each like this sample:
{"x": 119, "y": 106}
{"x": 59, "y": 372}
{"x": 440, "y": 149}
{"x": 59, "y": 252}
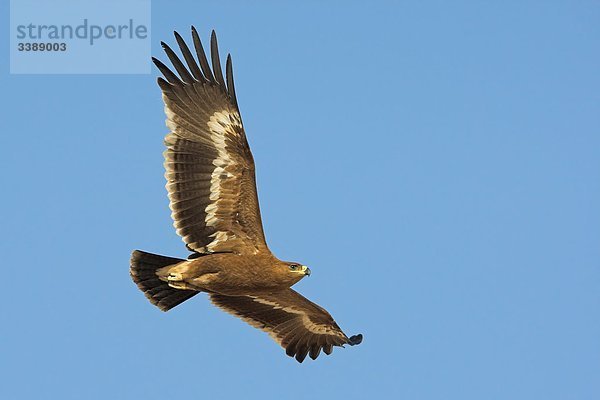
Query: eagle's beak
{"x": 306, "y": 270}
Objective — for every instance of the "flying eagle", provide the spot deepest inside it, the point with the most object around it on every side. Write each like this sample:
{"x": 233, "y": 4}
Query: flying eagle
{"x": 212, "y": 192}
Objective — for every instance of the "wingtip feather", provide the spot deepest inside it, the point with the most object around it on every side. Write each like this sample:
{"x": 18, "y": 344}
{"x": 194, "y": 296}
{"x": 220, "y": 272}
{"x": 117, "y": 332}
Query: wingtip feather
{"x": 171, "y": 77}
{"x": 355, "y": 339}
{"x": 216, "y": 62}
{"x": 230, "y": 83}
{"x": 201, "y": 55}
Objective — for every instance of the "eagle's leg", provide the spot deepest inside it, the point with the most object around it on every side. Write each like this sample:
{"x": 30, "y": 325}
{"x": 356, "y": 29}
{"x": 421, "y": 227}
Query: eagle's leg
{"x": 188, "y": 275}
{"x": 182, "y": 286}
{"x": 178, "y": 281}
{"x": 175, "y": 276}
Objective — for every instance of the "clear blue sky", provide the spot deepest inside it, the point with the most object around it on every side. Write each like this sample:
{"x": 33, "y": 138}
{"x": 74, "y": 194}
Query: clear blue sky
{"x": 436, "y": 165}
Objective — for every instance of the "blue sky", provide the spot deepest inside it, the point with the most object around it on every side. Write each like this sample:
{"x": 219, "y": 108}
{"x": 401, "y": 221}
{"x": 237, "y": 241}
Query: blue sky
{"x": 436, "y": 165}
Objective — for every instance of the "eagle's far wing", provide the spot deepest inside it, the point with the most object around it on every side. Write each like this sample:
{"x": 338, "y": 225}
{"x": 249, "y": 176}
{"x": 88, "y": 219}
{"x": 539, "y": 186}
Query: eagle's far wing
{"x": 209, "y": 166}
{"x": 300, "y": 326}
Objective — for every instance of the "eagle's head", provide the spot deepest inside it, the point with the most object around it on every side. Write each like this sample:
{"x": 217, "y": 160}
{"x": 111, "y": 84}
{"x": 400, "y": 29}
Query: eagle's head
{"x": 292, "y": 272}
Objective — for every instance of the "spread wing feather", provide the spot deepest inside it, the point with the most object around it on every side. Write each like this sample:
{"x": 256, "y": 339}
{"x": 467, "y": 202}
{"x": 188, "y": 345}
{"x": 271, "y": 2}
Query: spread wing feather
{"x": 300, "y": 326}
{"x": 209, "y": 166}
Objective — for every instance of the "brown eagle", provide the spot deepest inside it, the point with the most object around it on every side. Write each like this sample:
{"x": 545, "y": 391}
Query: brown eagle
{"x": 212, "y": 192}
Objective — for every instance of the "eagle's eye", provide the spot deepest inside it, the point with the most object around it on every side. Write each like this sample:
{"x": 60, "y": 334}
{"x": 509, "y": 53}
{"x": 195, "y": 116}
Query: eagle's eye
{"x": 294, "y": 267}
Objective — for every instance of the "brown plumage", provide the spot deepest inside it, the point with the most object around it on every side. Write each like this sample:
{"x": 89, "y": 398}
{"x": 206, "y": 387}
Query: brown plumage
{"x": 212, "y": 192}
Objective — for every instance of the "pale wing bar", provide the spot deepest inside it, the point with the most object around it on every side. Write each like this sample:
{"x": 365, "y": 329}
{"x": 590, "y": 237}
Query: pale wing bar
{"x": 208, "y": 163}
{"x": 301, "y": 327}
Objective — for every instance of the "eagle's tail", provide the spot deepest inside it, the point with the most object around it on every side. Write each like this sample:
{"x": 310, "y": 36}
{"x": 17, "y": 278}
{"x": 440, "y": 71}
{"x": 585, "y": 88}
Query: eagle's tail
{"x": 143, "y": 268}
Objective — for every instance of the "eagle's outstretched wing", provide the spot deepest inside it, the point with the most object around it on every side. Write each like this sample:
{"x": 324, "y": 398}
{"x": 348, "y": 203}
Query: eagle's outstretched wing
{"x": 209, "y": 166}
{"x": 300, "y": 326}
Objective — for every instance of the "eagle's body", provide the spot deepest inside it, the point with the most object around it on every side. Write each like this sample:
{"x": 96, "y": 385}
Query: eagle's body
{"x": 212, "y": 192}
{"x": 230, "y": 274}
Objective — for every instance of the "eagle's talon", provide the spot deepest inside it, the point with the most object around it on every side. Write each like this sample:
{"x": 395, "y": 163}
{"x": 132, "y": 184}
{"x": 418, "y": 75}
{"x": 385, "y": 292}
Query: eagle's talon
{"x": 174, "y": 276}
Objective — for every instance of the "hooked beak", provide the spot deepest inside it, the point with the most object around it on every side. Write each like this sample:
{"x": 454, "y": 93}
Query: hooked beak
{"x": 306, "y": 270}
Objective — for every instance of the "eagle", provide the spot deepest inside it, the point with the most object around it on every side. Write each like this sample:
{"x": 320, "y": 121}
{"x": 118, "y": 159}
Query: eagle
{"x": 213, "y": 199}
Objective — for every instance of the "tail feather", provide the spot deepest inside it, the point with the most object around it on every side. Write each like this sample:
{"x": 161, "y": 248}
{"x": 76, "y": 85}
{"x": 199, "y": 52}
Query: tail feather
{"x": 143, "y": 268}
